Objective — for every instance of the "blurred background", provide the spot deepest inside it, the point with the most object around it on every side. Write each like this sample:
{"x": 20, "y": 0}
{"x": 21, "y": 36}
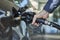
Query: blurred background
{"x": 45, "y": 32}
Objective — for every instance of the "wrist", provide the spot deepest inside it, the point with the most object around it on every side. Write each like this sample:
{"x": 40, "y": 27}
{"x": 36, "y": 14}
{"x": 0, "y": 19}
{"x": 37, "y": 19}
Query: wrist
{"x": 45, "y": 11}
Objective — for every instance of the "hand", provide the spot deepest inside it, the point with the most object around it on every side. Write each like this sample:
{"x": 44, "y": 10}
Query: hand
{"x": 43, "y": 14}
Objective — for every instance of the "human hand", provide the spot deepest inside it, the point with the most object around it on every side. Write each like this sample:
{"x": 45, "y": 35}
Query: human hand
{"x": 43, "y": 14}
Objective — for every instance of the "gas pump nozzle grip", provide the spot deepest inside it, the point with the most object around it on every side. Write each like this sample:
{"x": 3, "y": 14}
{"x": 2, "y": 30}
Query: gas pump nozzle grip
{"x": 45, "y": 22}
{"x": 40, "y": 20}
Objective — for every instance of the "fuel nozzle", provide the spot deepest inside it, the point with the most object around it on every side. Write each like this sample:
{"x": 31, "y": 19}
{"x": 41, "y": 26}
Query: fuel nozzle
{"x": 40, "y": 20}
{"x": 49, "y": 23}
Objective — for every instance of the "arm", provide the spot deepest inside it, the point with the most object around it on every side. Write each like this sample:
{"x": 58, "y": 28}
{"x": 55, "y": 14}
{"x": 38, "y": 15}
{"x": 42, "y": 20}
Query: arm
{"x": 51, "y": 5}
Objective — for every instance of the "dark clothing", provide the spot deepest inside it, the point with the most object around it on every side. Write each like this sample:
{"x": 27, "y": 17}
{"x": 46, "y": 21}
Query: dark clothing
{"x": 51, "y": 5}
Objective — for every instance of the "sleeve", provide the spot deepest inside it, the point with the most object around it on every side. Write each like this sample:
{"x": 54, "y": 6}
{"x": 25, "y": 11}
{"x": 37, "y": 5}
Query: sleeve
{"x": 51, "y": 5}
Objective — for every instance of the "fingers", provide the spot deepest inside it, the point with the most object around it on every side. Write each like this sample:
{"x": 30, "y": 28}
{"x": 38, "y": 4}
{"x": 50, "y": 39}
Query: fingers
{"x": 34, "y": 19}
{"x": 41, "y": 15}
{"x": 36, "y": 24}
